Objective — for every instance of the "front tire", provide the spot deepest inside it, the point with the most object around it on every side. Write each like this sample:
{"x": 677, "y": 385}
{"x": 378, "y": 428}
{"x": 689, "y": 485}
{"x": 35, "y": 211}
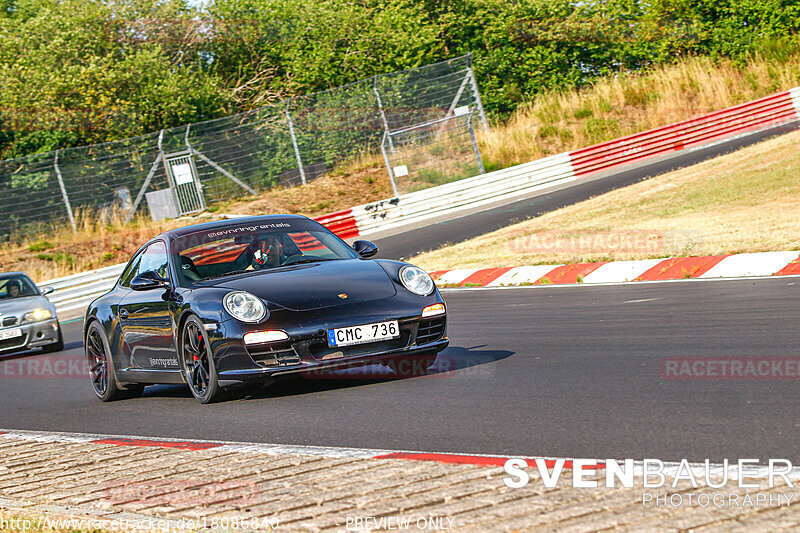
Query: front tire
{"x": 198, "y": 363}
{"x": 102, "y": 375}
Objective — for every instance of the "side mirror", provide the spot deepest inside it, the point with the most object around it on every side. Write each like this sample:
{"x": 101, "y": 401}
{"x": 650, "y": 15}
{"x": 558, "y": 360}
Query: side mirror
{"x": 148, "y": 280}
{"x": 46, "y": 290}
{"x": 365, "y": 248}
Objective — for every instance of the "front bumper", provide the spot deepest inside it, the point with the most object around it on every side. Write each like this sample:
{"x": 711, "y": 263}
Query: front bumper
{"x": 320, "y": 367}
{"x": 307, "y": 350}
{"x": 34, "y": 335}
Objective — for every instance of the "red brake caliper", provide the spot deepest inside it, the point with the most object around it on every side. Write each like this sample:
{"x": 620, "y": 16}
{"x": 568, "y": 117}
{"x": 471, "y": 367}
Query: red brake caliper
{"x": 199, "y": 340}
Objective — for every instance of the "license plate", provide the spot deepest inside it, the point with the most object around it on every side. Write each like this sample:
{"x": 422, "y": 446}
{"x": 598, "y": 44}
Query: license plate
{"x": 10, "y": 333}
{"x": 380, "y": 331}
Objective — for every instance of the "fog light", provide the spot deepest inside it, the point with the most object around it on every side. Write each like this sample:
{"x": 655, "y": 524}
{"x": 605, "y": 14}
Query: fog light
{"x": 258, "y": 337}
{"x": 433, "y": 310}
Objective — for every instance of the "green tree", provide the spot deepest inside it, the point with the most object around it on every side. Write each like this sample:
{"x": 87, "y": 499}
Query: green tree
{"x": 93, "y": 72}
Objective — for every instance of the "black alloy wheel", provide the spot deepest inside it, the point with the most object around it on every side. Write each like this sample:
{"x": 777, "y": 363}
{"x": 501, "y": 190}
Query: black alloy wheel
{"x": 198, "y": 364}
{"x": 101, "y": 368}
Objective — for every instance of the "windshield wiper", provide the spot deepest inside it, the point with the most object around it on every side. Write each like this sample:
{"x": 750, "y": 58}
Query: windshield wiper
{"x": 309, "y": 260}
{"x": 231, "y": 273}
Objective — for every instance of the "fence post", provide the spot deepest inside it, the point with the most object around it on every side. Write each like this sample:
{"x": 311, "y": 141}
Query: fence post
{"x": 215, "y": 166}
{"x": 148, "y": 179}
{"x": 388, "y": 164}
{"x": 457, "y": 97}
{"x": 476, "y": 93}
{"x": 64, "y": 193}
{"x": 186, "y": 138}
{"x": 383, "y": 113}
{"x": 475, "y": 146}
{"x": 294, "y": 143}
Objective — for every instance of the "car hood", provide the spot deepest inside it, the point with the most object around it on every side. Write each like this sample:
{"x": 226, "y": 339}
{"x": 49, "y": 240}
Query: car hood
{"x": 19, "y": 306}
{"x": 318, "y": 285}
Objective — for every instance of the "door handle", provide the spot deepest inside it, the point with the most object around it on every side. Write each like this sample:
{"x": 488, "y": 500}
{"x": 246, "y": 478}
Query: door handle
{"x": 123, "y": 313}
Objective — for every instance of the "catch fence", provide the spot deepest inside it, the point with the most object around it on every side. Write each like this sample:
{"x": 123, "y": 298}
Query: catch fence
{"x": 185, "y": 169}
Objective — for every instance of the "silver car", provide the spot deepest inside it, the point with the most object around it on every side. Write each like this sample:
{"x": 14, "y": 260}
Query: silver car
{"x": 27, "y": 318}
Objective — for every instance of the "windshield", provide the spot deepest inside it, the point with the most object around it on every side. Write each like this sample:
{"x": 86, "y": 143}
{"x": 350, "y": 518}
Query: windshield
{"x": 239, "y": 249}
{"x": 17, "y": 287}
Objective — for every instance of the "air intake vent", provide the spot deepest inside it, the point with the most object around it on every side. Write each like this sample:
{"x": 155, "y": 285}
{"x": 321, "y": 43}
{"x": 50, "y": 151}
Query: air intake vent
{"x": 430, "y": 330}
{"x": 9, "y": 321}
{"x": 274, "y": 354}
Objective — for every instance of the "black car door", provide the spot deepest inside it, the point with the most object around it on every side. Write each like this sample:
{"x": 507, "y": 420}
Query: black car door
{"x": 146, "y": 316}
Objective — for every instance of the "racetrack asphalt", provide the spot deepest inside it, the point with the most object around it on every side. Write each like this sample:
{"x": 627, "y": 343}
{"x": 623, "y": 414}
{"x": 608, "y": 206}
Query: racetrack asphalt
{"x": 546, "y": 371}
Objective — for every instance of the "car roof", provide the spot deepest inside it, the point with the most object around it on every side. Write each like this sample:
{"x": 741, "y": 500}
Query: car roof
{"x": 205, "y": 226}
{"x": 4, "y": 275}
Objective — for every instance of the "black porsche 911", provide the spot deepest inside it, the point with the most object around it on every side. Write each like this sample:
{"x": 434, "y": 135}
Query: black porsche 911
{"x": 250, "y": 300}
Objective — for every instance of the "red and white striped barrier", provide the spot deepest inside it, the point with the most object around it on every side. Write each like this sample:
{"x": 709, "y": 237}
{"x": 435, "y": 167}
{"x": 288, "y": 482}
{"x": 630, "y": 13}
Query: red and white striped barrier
{"x": 471, "y": 193}
{"x": 342, "y": 223}
{"x": 795, "y": 93}
{"x": 715, "y": 266}
{"x": 693, "y": 133}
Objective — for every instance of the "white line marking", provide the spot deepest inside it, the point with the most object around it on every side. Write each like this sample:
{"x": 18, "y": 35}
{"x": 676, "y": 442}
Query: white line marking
{"x": 643, "y": 300}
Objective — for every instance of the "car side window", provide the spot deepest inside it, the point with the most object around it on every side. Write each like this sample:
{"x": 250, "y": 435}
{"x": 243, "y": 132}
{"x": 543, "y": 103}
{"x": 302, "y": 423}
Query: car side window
{"x": 16, "y": 287}
{"x": 130, "y": 272}
{"x": 154, "y": 258}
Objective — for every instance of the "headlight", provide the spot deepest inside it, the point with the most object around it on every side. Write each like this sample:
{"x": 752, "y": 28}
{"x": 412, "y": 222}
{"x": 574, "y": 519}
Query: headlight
{"x": 37, "y": 315}
{"x": 416, "y": 280}
{"x": 244, "y": 306}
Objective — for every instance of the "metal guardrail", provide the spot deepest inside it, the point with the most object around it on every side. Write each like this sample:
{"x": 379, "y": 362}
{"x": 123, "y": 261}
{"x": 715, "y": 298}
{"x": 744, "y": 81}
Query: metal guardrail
{"x": 78, "y": 291}
{"x": 463, "y": 194}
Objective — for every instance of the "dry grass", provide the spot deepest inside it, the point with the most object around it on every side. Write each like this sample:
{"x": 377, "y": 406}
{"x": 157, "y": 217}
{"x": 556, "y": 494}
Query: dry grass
{"x": 614, "y": 107}
{"x": 741, "y": 202}
{"x": 362, "y": 182}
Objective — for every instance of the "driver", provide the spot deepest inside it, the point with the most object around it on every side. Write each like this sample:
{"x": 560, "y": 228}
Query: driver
{"x": 266, "y": 253}
{"x": 13, "y": 289}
